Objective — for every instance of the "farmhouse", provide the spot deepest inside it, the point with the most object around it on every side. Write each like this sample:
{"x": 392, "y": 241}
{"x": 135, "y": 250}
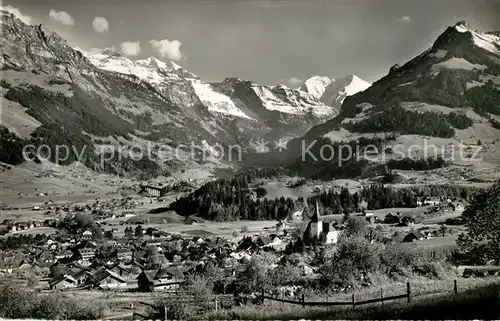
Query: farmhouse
{"x": 413, "y": 236}
{"x": 160, "y": 279}
{"x": 107, "y": 279}
{"x": 63, "y": 282}
{"x": 153, "y": 190}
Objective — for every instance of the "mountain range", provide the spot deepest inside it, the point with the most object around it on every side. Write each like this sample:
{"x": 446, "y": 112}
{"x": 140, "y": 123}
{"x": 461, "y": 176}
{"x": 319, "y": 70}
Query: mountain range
{"x": 54, "y": 94}
{"x": 53, "y": 90}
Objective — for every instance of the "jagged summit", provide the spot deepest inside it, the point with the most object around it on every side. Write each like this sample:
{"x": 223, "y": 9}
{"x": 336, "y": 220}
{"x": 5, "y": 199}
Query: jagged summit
{"x": 316, "y": 85}
{"x": 462, "y": 34}
{"x": 332, "y": 92}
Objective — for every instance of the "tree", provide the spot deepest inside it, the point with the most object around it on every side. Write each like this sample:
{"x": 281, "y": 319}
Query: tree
{"x": 138, "y": 231}
{"x": 253, "y": 277}
{"x": 482, "y": 220}
{"x": 129, "y": 233}
{"x": 356, "y": 225}
{"x": 199, "y": 287}
{"x": 442, "y": 229}
{"x": 261, "y": 191}
{"x": 354, "y": 258}
{"x": 108, "y": 235}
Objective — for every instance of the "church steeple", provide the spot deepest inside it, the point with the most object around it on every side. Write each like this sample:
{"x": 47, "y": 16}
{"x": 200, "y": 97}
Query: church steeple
{"x": 316, "y": 217}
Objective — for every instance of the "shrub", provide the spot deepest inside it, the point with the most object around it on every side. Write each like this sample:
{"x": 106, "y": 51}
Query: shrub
{"x": 396, "y": 259}
{"x": 261, "y": 191}
{"x": 355, "y": 258}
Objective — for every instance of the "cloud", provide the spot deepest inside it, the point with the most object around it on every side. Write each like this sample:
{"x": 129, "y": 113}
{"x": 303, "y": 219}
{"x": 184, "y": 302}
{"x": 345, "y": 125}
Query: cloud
{"x": 167, "y": 48}
{"x": 294, "y": 82}
{"x": 100, "y": 24}
{"x": 62, "y": 17}
{"x": 24, "y": 18}
{"x": 405, "y": 19}
{"x": 130, "y": 48}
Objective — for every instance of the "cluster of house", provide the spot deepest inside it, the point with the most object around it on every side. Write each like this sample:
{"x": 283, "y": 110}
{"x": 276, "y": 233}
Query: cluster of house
{"x": 154, "y": 261}
{"x": 438, "y": 203}
{"x": 11, "y": 226}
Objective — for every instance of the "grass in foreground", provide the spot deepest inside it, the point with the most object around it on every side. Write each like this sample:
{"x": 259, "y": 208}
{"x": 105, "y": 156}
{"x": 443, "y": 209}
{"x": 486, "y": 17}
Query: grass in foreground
{"x": 478, "y": 303}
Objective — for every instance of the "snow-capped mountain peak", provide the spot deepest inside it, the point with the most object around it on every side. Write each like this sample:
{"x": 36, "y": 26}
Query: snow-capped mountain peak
{"x": 487, "y": 41}
{"x": 316, "y": 85}
{"x": 338, "y": 90}
{"x": 151, "y": 69}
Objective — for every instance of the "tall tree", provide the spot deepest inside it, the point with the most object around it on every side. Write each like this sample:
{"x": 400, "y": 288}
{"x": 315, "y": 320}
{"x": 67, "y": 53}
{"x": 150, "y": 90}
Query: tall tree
{"x": 482, "y": 219}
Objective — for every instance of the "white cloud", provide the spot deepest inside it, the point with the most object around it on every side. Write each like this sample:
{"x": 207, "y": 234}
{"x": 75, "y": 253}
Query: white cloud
{"x": 62, "y": 17}
{"x": 24, "y": 18}
{"x": 100, "y": 24}
{"x": 130, "y": 48}
{"x": 405, "y": 19}
{"x": 167, "y": 48}
{"x": 294, "y": 82}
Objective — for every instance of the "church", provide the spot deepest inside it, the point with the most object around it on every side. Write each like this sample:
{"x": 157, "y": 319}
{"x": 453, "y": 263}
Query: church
{"x": 320, "y": 230}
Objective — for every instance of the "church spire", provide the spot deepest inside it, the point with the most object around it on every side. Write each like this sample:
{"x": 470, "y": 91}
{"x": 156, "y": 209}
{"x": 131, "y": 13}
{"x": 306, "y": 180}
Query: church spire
{"x": 316, "y": 217}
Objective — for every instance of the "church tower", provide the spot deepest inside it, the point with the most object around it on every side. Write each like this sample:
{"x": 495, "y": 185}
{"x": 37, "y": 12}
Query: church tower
{"x": 316, "y": 223}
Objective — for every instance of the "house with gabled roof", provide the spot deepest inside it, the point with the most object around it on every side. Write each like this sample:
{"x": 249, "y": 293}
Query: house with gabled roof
{"x": 165, "y": 278}
{"x": 106, "y": 279}
{"x": 413, "y": 236}
{"x": 63, "y": 282}
{"x": 45, "y": 258}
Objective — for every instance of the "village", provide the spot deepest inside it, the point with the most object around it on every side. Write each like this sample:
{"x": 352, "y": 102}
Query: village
{"x": 112, "y": 245}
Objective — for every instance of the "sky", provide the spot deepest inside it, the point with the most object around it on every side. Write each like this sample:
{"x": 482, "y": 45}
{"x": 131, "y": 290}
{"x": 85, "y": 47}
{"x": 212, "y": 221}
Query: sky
{"x": 269, "y": 42}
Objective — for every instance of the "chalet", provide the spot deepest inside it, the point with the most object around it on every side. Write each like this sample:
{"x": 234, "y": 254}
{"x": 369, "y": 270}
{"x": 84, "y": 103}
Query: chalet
{"x": 391, "y": 219}
{"x": 106, "y": 279}
{"x": 63, "y": 254}
{"x": 63, "y": 282}
{"x": 80, "y": 275}
{"x": 152, "y": 190}
{"x": 45, "y": 258}
{"x": 160, "y": 279}
{"x": 270, "y": 241}
{"x": 87, "y": 235}
{"x": 86, "y": 250}
{"x": 123, "y": 254}
{"x": 407, "y": 221}
{"x": 318, "y": 229}
{"x": 413, "y": 236}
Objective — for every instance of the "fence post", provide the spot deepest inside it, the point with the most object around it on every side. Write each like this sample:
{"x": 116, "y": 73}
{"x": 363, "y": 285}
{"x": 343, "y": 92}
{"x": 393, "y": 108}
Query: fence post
{"x": 303, "y": 300}
{"x": 382, "y": 298}
{"x": 408, "y": 291}
{"x": 262, "y": 296}
{"x": 166, "y": 313}
{"x": 455, "y": 289}
{"x": 216, "y": 303}
{"x": 353, "y": 302}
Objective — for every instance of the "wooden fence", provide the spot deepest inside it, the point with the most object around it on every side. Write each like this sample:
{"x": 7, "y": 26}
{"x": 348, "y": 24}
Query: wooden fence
{"x": 220, "y": 301}
{"x": 352, "y": 302}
